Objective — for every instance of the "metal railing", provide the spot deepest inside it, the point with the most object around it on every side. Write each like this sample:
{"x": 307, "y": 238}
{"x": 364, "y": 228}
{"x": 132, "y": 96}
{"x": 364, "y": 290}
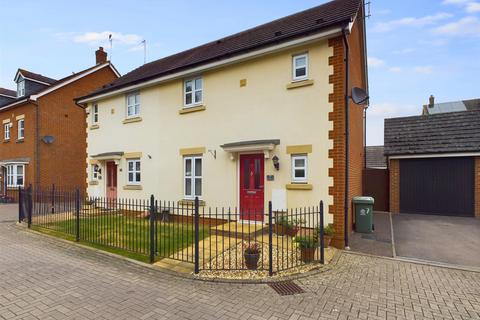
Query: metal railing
{"x": 151, "y": 230}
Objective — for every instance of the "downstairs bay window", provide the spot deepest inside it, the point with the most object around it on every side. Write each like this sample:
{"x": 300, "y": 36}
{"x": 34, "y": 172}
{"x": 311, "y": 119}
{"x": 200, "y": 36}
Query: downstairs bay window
{"x": 15, "y": 175}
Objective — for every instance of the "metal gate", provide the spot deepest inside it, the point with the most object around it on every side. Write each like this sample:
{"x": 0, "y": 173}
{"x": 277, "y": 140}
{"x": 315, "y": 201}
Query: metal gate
{"x": 443, "y": 186}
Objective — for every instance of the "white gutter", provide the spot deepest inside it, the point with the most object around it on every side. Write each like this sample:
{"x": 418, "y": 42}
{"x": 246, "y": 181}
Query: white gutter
{"x": 4, "y": 95}
{"x": 73, "y": 79}
{"x": 217, "y": 64}
{"x": 14, "y": 104}
{"x": 436, "y": 155}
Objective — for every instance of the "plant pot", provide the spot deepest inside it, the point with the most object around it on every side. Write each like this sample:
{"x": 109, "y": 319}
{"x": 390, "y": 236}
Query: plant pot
{"x": 307, "y": 254}
{"x": 279, "y": 229}
{"x": 292, "y": 232}
{"x": 327, "y": 240}
{"x": 251, "y": 260}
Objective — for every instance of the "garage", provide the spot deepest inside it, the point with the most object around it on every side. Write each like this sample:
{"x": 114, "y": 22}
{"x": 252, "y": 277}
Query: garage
{"x": 443, "y": 186}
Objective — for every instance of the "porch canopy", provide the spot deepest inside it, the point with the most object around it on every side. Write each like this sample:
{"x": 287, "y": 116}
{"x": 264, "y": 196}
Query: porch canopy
{"x": 116, "y": 155}
{"x": 264, "y": 146}
{"x": 5, "y": 162}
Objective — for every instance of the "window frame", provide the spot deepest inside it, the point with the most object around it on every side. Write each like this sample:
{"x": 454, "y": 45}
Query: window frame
{"x": 95, "y": 113}
{"x": 294, "y": 168}
{"x": 192, "y": 177}
{"x": 134, "y": 171}
{"x": 21, "y": 88}
{"x": 12, "y": 175}
{"x": 194, "y": 90}
{"x": 294, "y": 67}
{"x": 134, "y": 105}
{"x": 6, "y": 131}
{"x": 21, "y": 129}
{"x": 95, "y": 173}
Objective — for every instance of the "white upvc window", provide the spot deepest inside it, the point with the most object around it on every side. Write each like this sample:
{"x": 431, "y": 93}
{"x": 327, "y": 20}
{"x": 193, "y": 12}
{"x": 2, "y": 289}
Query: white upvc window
{"x": 133, "y": 171}
{"x": 6, "y": 131}
{"x": 95, "y": 172}
{"x": 95, "y": 113}
{"x": 193, "y": 92}
{"x": 192, "y": 177}
{"x": 300, "y": 67}
{"x": 15, "y": 175}
{"x": 133, "y": 105}
{"x": 21, "y": 129}
{"x": 299, "y": 168}
{"x": 21, "y": 88}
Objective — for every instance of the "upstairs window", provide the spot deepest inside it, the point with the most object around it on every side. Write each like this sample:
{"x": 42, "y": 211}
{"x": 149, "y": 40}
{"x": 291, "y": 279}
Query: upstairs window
{"x": 133, "y": 171}
{"x": 21, "y": 88}
{"x": 6, "y": 131}
{"x": 21, "y": 129}
{"x": 299, "y": 168}
{"x": 133, "y": 105}
{"x": 95, "y": 114}
{"x": 193, "y": 92}
{"x": 95, "y": 172}
{"x": 300, "y": 67}
{"x": 15, "y": 175}
{"x": 193, "y": 177}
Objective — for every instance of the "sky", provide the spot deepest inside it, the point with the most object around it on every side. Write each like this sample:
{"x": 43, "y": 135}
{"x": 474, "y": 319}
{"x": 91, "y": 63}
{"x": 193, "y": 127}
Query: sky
{"x": 415, "y": 48}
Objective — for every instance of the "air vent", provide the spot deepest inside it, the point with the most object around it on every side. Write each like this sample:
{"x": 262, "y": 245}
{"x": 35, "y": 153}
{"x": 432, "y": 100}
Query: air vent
{"x": 286, "y": 288}
{"x": 278, "y": 33}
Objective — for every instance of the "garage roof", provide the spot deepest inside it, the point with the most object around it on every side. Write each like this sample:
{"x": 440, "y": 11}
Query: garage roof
{"x": 438, "y": 133}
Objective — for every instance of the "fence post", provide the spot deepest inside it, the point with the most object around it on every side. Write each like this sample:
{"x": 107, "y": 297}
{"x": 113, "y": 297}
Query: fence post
{"x": 270, "y": 245}
{"x": 322, "y": 240}
{"x": 20, "y": 211}
{"x": 152, "y": 228}
{"x": 30, "y": 206}
{"x": 77, "y": 215}
{"x": 53, "y": 199}
{"x": 197, "y": 248}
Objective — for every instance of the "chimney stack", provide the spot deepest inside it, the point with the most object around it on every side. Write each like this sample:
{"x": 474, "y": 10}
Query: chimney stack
{"x": 431, "y": 101}
{"x": 100, "y": 56}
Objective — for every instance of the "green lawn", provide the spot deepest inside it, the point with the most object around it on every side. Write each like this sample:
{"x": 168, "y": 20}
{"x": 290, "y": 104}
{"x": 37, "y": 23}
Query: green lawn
{"x": 127, "y": 235}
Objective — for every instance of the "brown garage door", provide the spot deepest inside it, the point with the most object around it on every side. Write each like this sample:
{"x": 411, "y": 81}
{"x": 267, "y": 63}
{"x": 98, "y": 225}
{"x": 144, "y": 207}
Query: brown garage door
{"x": 443, "y": 186}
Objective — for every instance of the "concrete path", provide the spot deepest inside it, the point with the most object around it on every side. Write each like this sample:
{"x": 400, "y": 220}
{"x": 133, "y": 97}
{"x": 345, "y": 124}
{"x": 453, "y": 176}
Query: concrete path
{"x": 44, "y": 278}
{"x": 379, "y": 242}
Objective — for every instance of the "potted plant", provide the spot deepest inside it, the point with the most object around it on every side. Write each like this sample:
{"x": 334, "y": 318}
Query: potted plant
{"x": 252, "y": 255}
{"x": 283, "y": 226}
{"x": 307, "y": 245}
{"x": 328, "y": 233}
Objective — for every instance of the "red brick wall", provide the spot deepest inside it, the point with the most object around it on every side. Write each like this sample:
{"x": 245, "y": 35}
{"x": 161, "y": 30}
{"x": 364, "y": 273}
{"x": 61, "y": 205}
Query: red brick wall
{"x": 394, "y": 168}
{"x": 64, "y": 162}
{"x": 477, "y": 187}
{"x": 12, "y": 149}
{"x": 356, "y": 129}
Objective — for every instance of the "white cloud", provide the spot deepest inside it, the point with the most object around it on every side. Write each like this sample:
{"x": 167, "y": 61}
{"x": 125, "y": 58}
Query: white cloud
{"x": 411, "y": 21}
{"x": 395, "y": 69}
{"x": 375, "y": 62}
{"x": 467, "y": 26}
{"x": 423, "y": 69}
{"x": 473, "y": 7}
{"x": 455, "y": 1}
{"x": 98, "y": 38}
{"x": 405, "y": 51}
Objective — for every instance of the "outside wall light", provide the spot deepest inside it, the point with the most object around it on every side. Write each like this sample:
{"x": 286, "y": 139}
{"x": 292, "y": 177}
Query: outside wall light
{"x": 276, "y": 163}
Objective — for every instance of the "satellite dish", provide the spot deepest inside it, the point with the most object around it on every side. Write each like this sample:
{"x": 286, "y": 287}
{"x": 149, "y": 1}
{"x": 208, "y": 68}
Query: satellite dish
{"x": 359, "y": 96}
{"x": 48, "y": 139}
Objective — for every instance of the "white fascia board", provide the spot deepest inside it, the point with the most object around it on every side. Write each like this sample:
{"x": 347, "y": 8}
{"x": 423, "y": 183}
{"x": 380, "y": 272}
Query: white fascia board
{"x": 73, "y": 79}
{"x": 6, "y": 95}
{"x": 34, "y": 80}
{"x": 436, "y": 155}
{"x": 218, "y": 64}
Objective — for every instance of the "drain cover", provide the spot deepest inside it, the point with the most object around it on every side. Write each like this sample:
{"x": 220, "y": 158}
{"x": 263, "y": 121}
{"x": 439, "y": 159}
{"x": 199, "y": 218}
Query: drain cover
{"x": 286, "y": 288}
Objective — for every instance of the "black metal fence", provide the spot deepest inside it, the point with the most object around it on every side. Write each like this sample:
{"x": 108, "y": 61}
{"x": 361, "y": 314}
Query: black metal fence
{"x": 210, "y": 238}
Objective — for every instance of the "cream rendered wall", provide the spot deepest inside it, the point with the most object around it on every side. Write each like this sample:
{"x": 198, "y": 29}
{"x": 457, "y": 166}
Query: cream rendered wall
{"x": 263, "y": 109}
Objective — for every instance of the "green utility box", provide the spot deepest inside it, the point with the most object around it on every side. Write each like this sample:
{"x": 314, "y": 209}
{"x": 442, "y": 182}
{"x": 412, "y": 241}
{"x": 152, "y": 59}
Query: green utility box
{"x": 363, "y": 207}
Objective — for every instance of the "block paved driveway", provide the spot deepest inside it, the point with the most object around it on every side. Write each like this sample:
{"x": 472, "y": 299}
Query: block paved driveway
{"x": 43, "y": 278}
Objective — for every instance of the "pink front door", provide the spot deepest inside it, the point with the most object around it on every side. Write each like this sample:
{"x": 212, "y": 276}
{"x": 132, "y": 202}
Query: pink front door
{"x": 251, "y": 187}
{"x": 111, "y": 181}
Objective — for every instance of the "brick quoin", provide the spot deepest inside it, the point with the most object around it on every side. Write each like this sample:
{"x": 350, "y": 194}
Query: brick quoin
{"x": 477, "y": 187}
{"x": 356, "y": 130}
{"x": 394, "y": 169}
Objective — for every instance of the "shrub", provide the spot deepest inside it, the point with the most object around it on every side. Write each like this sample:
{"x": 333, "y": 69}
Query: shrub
{"x": 252, "y": 248}
{"x": 306, "y": 242}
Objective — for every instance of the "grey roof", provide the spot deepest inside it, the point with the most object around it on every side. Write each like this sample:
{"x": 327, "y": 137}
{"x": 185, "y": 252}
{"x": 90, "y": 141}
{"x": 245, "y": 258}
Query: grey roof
{"x": 454, "y": 106}
{"x": 375, "y": 157}
{"x": 251, "y": 142}
{"x": 438, "y": 133}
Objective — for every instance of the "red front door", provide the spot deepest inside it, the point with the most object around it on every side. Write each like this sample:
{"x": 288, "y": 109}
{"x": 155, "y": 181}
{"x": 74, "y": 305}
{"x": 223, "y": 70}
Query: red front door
{"x": 111, "y": 180}
{"x": 251, "y": 186}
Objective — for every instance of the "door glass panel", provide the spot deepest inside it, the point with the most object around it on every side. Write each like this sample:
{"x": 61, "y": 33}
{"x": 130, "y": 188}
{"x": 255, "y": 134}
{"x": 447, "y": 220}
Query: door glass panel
{"x": 246, "y": 174}
{"x": 257, "y": 173}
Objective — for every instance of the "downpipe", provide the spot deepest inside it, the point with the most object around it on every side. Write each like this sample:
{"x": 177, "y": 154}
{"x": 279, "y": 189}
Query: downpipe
{"x": 347, "y": 140}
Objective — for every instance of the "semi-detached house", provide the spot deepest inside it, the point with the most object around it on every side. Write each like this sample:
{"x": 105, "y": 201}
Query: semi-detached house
{"x": 240, "y": 121}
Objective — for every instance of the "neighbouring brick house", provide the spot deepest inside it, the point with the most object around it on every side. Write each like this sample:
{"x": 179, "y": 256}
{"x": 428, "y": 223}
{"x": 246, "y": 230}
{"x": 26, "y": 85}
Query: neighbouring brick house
{"x": 434, "y": 163}
{"x": 253, "y": 117}
{"x": 43, "y": 133}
